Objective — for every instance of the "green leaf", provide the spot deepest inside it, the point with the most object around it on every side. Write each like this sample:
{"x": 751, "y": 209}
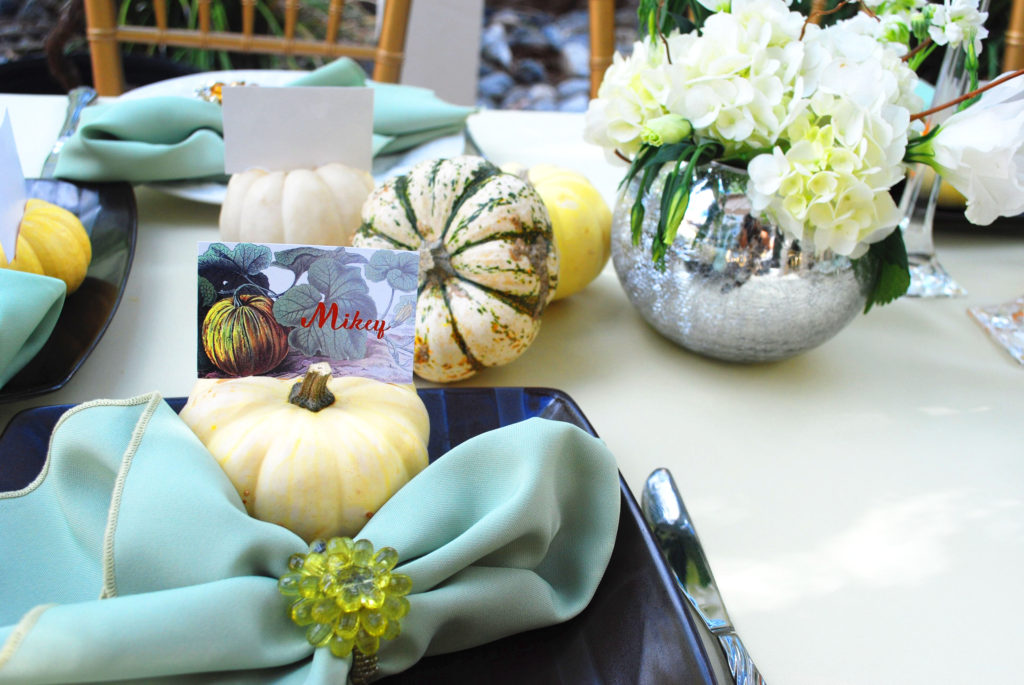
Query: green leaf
{"x": 252, "y": 259}
{"x": 345, "y": 257}
{"x": 343, "y": 285}
{"x": 400, "y": 269}
{"x": 245, "y": 258}
{"x": 295, "y": 303}
{"x": 207, "y": 293}
{"x": 298, "y": 259}
{"x": 892, "y": 270}
{"x": 217, "y": 256}
{"x": 315, "y": 341}
{"x": 331, "y": 283}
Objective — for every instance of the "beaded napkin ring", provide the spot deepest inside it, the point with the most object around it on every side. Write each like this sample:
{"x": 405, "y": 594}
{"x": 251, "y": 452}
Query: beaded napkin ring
{"x": 348, "y": 599}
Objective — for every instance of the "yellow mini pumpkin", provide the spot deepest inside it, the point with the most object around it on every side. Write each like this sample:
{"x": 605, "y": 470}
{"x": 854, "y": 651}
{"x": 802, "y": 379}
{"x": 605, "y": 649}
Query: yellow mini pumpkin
{"x": 318, "y": 456}
{"x": 488, "y": 261}
{"x": 51, "y": 242}
{"x": 580, "y": 220}
{"x": 300, "y": 207}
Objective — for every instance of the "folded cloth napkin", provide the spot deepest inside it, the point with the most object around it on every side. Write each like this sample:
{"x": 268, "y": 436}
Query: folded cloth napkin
{"x": 29, "y": 307}
{"x": 174, "y": 138}
{"x": 132, "y": 557}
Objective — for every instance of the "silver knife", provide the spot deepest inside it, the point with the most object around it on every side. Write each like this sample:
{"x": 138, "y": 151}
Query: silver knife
{"x": 673, "y": 530}
{"x": 78, "y": 99}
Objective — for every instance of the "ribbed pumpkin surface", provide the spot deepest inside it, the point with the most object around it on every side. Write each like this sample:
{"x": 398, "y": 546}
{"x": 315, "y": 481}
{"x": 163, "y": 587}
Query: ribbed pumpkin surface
{"x": 319, "y": 474}
{"x": 488, "y": 263}
{"x": 241, "y": 336}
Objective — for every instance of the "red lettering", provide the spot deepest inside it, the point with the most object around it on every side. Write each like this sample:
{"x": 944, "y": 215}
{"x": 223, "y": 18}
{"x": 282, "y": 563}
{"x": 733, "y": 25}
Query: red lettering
{"x": 322, "y": 312}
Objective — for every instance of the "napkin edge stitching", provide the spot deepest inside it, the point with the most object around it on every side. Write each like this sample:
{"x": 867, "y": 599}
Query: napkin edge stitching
{"x": 132, "y": 401}
{"x": 17, "y": 636}
{"x": 109, "y": 577}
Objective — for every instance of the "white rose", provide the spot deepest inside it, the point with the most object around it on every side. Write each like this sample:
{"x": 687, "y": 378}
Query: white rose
{"x": 980, "y": 152}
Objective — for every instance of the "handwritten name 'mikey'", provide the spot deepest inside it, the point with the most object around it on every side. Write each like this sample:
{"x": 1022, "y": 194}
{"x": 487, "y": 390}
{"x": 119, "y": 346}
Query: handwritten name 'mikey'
{"x": 351, "y": 322}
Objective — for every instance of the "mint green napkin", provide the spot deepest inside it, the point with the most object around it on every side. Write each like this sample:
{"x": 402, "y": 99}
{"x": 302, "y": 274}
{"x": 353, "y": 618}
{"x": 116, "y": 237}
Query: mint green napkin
{"x": 29, "y": 307}
{"x": 174, "y": 138}
{"x": 132, "y": 557}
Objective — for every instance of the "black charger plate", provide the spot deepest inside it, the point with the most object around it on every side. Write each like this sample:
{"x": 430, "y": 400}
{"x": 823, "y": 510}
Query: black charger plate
{"x": 108, "y": 212}
{"x": 635, "y": 630}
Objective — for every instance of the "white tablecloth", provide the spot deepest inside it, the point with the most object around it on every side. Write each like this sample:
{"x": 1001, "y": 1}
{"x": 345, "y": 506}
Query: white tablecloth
{"x": 862, "y": 505}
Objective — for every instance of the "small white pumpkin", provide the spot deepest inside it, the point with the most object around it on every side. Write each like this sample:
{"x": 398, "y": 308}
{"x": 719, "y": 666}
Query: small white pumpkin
{"x": 318, "y": 456}
{"x": 488, "y": 261}
{"x": 300, "y": 207}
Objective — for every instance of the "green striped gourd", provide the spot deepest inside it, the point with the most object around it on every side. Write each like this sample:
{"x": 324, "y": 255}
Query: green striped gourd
{"x": 488, "y": 262}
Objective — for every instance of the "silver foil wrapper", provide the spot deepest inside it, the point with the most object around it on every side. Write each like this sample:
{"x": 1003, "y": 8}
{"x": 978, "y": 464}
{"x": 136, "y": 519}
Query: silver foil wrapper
{"x": 732, "y": 286}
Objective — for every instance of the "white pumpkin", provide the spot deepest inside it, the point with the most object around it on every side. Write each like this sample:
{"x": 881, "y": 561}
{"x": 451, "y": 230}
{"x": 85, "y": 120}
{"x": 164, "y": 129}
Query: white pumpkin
{"x": 318, "y": 206}
{"x": 319, "y": 456}
{"x": 488, "y": 261}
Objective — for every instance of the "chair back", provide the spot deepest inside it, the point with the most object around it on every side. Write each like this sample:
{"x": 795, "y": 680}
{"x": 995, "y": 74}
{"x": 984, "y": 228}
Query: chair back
{"x": 602, "y": 40}
{"x": 1013, "y": 47}
{"x": 105, "y": 33}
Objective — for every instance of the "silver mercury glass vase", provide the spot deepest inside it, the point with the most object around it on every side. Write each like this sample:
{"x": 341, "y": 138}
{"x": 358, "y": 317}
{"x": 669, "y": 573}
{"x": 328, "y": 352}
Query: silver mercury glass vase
{"x": 732, "y": 286}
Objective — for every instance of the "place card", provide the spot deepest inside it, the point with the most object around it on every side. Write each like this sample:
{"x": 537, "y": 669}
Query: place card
{"x": 279, "y": 129}
{"x": 272, "y": 310}
{"x": 12, "y": 188}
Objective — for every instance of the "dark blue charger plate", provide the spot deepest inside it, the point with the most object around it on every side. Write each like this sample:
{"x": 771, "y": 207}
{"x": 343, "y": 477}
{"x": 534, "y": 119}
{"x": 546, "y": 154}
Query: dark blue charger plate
{"x": 635, "y": 630}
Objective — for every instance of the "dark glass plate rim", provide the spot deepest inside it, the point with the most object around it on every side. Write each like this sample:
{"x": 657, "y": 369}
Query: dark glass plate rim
{"x": 122, "y": 192}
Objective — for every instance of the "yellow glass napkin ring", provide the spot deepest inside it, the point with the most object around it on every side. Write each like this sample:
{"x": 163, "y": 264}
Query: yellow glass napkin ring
{"x": 347, "y": 598}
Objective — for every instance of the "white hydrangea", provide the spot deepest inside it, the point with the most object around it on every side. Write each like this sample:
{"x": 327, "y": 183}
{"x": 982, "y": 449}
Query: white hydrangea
{"x": 832, "y": 105}
{"x": 828, "y": 194}
{"x": 736, "y": 82}
{"x": 956, "y": 22}
{"x": 830, "y": 188}
{"x": 632, "y": 93}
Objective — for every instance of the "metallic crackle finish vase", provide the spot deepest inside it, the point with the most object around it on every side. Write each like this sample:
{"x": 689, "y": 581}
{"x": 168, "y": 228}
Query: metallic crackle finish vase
{"x": 732, "y": 286}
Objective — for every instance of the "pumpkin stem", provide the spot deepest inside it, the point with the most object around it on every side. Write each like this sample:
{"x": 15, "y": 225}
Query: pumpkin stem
{"x": 236, "y": 296}
{"x": 311, "y": 392}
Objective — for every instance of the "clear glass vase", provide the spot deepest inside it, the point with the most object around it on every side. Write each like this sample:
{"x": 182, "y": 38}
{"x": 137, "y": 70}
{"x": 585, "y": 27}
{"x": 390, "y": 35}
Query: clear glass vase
{"x": 928, "y": 278}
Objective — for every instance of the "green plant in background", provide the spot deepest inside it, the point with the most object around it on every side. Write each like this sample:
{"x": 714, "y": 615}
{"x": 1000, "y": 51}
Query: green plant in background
{"x": 227, "y": 16}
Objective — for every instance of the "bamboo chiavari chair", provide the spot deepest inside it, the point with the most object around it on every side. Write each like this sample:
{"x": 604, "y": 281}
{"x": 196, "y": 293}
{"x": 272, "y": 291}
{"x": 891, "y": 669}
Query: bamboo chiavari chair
{"x": 1013, "y": 49}
{"x": 602, "y": 40}
{"x": 105, "y": 35}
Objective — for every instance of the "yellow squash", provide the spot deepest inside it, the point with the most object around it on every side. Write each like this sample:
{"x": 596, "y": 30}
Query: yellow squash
{"x": 318, "y": 456}
{"x": 580, "y": 220}
{"x": 51, "y": 242}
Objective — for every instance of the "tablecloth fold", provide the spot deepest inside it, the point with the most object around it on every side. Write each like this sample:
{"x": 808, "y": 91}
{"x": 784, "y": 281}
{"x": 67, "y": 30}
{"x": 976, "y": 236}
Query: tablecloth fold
{"x": 132, "y": 557}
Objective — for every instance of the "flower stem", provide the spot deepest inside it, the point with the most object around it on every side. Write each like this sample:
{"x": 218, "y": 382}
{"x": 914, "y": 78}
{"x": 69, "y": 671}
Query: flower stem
{"x": 818, "y": 14}
{"x": 917, "y": 50}
{"x": 967, "y": 96}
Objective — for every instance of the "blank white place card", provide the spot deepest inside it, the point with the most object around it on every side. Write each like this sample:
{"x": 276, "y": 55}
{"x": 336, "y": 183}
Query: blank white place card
{"x": 279, "y": 129}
